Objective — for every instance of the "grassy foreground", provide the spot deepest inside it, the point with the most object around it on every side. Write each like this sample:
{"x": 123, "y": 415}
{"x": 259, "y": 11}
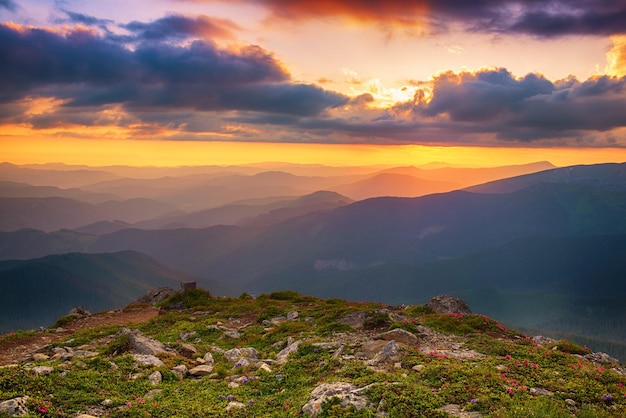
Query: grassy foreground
{"x": 470, "y": 365}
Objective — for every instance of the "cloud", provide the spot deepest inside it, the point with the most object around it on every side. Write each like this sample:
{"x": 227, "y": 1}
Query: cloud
{"x": 8, "y": 4}
{"x": 73, "y": 17}
{"x": 616, "y": 57}
{"x": 178, "y": 26}
{"x": 532, "y": 17}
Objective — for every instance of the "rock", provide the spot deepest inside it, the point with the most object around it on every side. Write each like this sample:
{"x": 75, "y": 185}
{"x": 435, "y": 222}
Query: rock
{"x": 282, "y": 355}
{"x": 180, "y": 371}
{"x": 236, "y": 354}
{"x": 80, "y": 311}
{"x": 188, "y": 350}
{"x": 62, "y": 353}
{"x": 201, "y": 370}
{"x": 354, "y": 320}
{"x": 148, "y": 360}
{"x": 42, "y": 370}
{"x": 292, "y": 316}
{"x": 234, "y": 404}
{"x": 187, "y": 335}
{"x": 389, "y": 354}
{"x": 418, "y": 367}
{"x": 85, "y": 354}
{"x": 106, "y": 402}
{"x": 142, "y": 344}
{"x": 152, "y": 394}
{"x": 540, "y": 340}
{"x": 85, "y": 416}
{"x": 157, "y": 295}
{"x": 232, "y": 334}
{"x": 446, "y": 304}
{"x": 456, "y": 411}
{"x": 571, "y": 403}
{"x": 601, "y": 358}
{"x": 346, "y": 392}
{"x": 264, "y": 367}
{"x": 400, "y": 336}
{"x": 155, "y": 378}
{"x": 208, "y": 358}
{"x": 540, "y": 392}
{"x": 14, "y": 407}
{"x": 40, "y": 357}
{"x": 372, "y": 347}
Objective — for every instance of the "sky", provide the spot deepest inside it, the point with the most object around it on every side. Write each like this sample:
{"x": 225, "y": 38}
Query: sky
{"x": 181, "y": 82}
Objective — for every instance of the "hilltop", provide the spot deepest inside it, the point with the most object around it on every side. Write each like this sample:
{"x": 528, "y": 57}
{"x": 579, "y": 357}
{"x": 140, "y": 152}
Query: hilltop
{"x": 286, "y": 354}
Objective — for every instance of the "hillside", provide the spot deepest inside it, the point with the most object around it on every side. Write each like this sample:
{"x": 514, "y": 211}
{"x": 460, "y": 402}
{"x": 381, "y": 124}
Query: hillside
{"x": 285, "y": 354}
{"x": 35, "y": 292}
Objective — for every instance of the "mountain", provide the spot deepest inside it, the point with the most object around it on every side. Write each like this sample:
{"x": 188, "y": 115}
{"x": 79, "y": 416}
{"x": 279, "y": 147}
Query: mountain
{"x": 602, "y": 176}
{"x": 53, "y": 213}
{"x": 287, "y": 354}
{"x": 50, "y": 177}
{"x": 35, "y": 292}
{"x": 393, "y": 184}
{"x": 13, "y": 189}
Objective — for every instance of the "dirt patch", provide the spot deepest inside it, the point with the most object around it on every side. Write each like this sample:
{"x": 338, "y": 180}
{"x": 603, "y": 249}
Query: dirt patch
{"x": 18, "y": 350}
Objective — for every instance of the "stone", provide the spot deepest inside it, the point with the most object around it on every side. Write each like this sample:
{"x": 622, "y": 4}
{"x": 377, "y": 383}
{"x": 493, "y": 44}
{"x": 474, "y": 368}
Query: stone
{"x": 264, "y": 367}
{"x": 80, "y": 311}
{"x": 400, "y": 336}
{"x": 232, "y": 334}
{"x": 107, "y": 402}
{"x": 85, "y": 354}
{"x": 418, "y": 367}
{"x": 354, "y": 320}
{"x": 446, "y": 304}
{"x": 234, "y": 404}
{"x": 201, "y": 370}
{"x": 85, "y": 416}
{"x": 540, "y": 340}
{"x": 62, "y": 353}
{"x": 180, "y": 371}
{"x": 157, "y": 295}
{"x": 454, "y": 410}
{"x": 372, "y": 347}
{"x": 282, "y": 355}
{"x": 40, "y": 357}
{"x": 42, "y": 370}
{"x": 187, "y": 335}
{"x": 155, "y": 378}
{"x": 236, "y": 354}
{"x": 188, "y": 350}
{"x": 346, "y": 392}
{"x": 390, "y": 353}
{"x": 14, "y": 407}
{"x": 292, "y": 316}
{"x": 148, "y": 360}
{"x": 571, "y": 403}
{"x": 601, "y": 358}
{"x": 208, "y": 358}
{"x": 142, "y": 344}
{"x": 152, "y": 394}
{"x": 540, "y": 392}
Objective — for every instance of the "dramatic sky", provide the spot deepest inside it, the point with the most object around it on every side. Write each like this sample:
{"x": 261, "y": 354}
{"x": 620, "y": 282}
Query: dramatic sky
{"x": 211, "y": 81}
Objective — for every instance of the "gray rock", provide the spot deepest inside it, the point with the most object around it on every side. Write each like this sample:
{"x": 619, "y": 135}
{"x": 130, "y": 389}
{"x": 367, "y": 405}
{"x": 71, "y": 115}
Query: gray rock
{"x": 180, "y": 371}
{"x": 14, "y": 407}
{"x": 152, "y": 394}
{"x": 187, "y": 335}
{"x": 42, "y": 370}
{"x": 454, "y": 410}
{"x": 148, "y": 360}
{"x": 389, "y": 354}
{"x": 188, "y": 350}
{"x": 234, "y": 404}
{"x": 448, "y": 304}
{"x": 236, "y": 354}
{"x": 540, "y": 340}
{"x": 208, "y": 358}
{"x": 540, "y": 392}
{"x": 201, "y": 370}
{"x": 400, "y": 336}
{"x": 355, "y": 320}
{"x": 80, "y": 311}
{"x": 232, "y": 334}
{"x": 40, "y": 357}
{"x": 346, "y": 392}
{"x": 601, "y": 358}
{"x": 157, "y": 295}
{"x": 282, "y": 355}
{"x": 142, "y": 344}
{"x": 155, "y": 378}
{"x": 85, "y": 354}
{"x": 85, "y": 416}
{"x": 293, "y": 315}
{"x": 62, "y": 353}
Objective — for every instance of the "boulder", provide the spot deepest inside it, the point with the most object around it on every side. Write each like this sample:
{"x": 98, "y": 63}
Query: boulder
{"x": 155, "y": 378}
{"x": 201, "y": 370}
{"x": 148, "y": 360}
{"x": 180, "y": 371}
{"x": 446, "y": 304}
{"x": 14, "y": 407}
{"x": 80, "y": 311}
{"x": 400, "y": 336}
{"x": 142, "y": 344}
{"x": 346, "y": 392}
{"x": 157, "y": 295}
{"x": 282, "y": 355}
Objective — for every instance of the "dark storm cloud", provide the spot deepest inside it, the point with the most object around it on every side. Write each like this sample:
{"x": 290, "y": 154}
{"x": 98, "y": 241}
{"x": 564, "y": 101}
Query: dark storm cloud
{"x": 178, "y": 26}
{"x": 8, "y": 4}
{"x": 543, "y": 18}
{"x": 525, "y": 108}
{"x": 87, "y": 69}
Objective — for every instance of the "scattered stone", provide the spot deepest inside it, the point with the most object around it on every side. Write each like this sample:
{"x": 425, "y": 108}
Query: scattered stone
{"x": 354, "y": 320}
{"x": 201, "y": 370}
{"x": 85, "y": 416}
{"x": 601, "y": 358}
{"x": 234, "y": 404}
{"x": 188, "y": 350}
{"x": 62, "y": 353}
{"x": 40, "y": 357}
{"x": 571, "y": 403}
{"x": 541, "y": 340}
{"x": 418, "y": 367}
{"x": 264, "y": 367}
{"x": 85, "y": 354}
{"x": 232, "y": 334}
{"x": 281, "y": 357}
{"x": 148, "y": 360}
{"x": 14, "y": 407}
{"x": 292, "y": 316}
{"x": 180, "y": 371}
{"x": 390, "y": 353}
{"x": 157, "y": 295}
{"x": 155, "y": 378}
{"x": 456, "y": 411}
{"x": 106, "y": 402}
{"x": 153, "y": 394}
{"x": 42, "y": 370}
{"x": 80, "y": 311}
{"x": 346, "y": 392}
{"x": 237, "y": 354}
{"x": 208, "y": 358}
{"x": 400, "y": 336}
{"x": 142, "y": 344}
{"x": 446, "y": 304}
{"x": 187, "y": 335}
{"x": 540, "y": 392}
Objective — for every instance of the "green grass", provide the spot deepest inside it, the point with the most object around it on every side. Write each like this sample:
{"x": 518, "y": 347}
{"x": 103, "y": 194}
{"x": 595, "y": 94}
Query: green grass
{"x": 495, "y": 385}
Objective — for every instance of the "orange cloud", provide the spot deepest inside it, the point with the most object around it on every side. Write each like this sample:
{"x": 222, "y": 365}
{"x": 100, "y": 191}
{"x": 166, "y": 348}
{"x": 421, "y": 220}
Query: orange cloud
{"x": 616, "y": 57}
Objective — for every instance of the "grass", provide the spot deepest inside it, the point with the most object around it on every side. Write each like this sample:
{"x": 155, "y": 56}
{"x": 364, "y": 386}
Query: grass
{"x": 497, "y": 384}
